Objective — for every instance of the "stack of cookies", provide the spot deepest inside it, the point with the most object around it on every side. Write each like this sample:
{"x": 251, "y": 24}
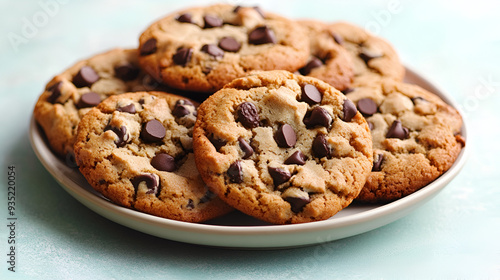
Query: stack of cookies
{"x": 227, "y": 107}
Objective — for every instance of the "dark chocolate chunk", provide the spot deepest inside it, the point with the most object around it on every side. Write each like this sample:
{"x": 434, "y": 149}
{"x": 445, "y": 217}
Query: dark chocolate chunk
{"x": 149, "y": 46}
{"x": 163, "y": 162}
{"x": 207, "y": 197}
{"x": 337, "y": 38}
{"x": 318, "y": 117}
{"x": 85, "y": 77}
{"x": 320, "y": 146}
{"x": 245, "y": 147}
{"x": 180, "y": 109}
{"x": 182, "y": 56}
{"x": 367, "y": 54}
{"x": 150, "y": 180}
{"x": 367, "y": 106}
{"x": 248, "y": 115}
{"x": 126, "y": 72}
{"x": 296, "y": 158}
{"x": 229, "y": 44}
{"x": 279, "y": 175}
{"x": 261, "y": 35}
{"x": 190, "y": 204}
{"x": 313, "y": 63}
{"x": 153, "y": 131}
{"x": 377, "y": 162}
{"x": 56, "y": 92}
{"x": 121, "y": 133}
{"x": 285, "y": 137}
{"x": 397, "y": 130}
{"x": 370, "y": 125}
{"x": 311, "y": 94}
{"x": 347, "y": 90}
{"x": 212, "y": 21}
{"x": 212, "y": 50}
{"x": 186, "y": 18}
{"x": 235, "y": 172}
{"x": 297, "y": 203}
{"x": 89, "y": 99}
{"x": 130, "y": 108}
{"x": 349, "y": 110}
{"x": 218, "y": 143}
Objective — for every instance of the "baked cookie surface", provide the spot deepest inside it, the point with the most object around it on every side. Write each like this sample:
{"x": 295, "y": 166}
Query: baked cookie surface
{"x": 416, "y": 137}
{"x": 283, "y": 148}
{"x": 136, "y": 150}
{"x": 69, "y": 95}
{"x": 203, "y": 48}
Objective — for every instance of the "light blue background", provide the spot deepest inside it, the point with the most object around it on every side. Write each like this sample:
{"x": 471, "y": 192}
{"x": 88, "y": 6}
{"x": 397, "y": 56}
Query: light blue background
{"x": 455, "y": 236}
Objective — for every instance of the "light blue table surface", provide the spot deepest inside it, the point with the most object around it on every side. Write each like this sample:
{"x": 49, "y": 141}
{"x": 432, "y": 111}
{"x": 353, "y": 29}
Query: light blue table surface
{"x": 454, "y": 236}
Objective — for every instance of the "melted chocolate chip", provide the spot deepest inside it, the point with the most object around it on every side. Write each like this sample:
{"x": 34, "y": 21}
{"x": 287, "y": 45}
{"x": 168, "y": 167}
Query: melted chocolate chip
{"x": 248, "y": 115}
{"x": 235, "y": 172}
{"x": 313, "y": 63}
{"x": 261, "y": 35}
{"x": 130, "y": 108}
{"x": 279, "y": 175}
{"x": 121, "y": 133}
{"x": 318, "y": 117}
{"x": 297, "y": 203}
{"x": 296, "y": 158}
{"x": 285, "y": 136}
{"x": 212, "y": 21}
{"x": 150, "y": 180}
{"x": 182, "y": 56}
{"x": 311, "y": 94}
{"x": 367, "y": 54}
{"x": 149, "y": 46}
{"x": 126, "y": 72}
{"x": 349, "y": 110}
{"x": 218, "y": 143}
{"x": 397, "y": 130}
{"x": 56, "y": 92}
{"x": 245, "y": 147}
{"x": 207, "y": 197}
{"x": 85, "y": 77}
{"x": 185, "y": 18}
{"x": 163, "y": 162}
{"x": 320, "y": 146}
{"x": 367, "y": 106}
{"x": 89, "y": 99}
{"x": 377, "y": 162}
{"x": 212, "y": 50}
{"x": 153, "y": 131}
{"x": 180, "y": 109}
{"x": 229, "y": 44}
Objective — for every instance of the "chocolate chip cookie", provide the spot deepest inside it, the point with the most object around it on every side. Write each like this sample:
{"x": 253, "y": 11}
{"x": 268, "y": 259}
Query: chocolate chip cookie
{"x": 416, "y": 137}
{"x": 283, "y": 148}
{"x": 203, "y": 48}
{"x": 136, "y": 149}
{"x": 329, "y": 61}
{"x": 69, "y": 95}
{"x": 374, "y": 58}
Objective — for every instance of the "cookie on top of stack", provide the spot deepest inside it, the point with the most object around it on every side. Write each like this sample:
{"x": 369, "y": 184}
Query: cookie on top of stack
{"x": 298, "y": 118}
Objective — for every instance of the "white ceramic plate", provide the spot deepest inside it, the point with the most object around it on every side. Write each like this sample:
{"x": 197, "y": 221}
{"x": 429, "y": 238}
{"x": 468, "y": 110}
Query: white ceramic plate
{"x": 237, "y": 230}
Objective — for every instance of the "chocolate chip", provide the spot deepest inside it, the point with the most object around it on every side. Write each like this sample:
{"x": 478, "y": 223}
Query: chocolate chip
{"x": 313, "y": 63}
{"x": 218, "y": 143}
{"x": 235, "y": 172}
{"x": 180, "y": 109}
{"x": 261, "y": 35}
{"x": 186, "y": 18}
{"x": 279, "y": 175}
{"x": 126, "y": 72}
{"x": 311, "y": 94}
{"x": 212, "y": 21}
{"x": 297, "y": 203}
{"x": 182, "y": 56}
{"x": 229, "y": 44}
{"x": 370, "y": 125}
{"x": 397, "y": 130}
{"x": 367, "y": 54}
{"x": 296, "y": 158}
{"x": 245, "y": 147}
{"x": 337, "y": 38}
{"x": 163, "y": 162}
{"x": 318, "y": 117}
{"x": 130, "y": 108}
{"x": 85, "y": 77}
{"x": 320, "y": 146}
{"x": 377, "y": 162}
{"x": 190, "y": 204}
{"x": 347, "y": 90}
{"x": 285, "y": 137}
{"x": 349, "y": 110}
{"x": 248, "y": 115}
{"x": 237, "y": 8}
{"x": 56, "y": 92}
{"x": 121, "y": 133}
{"x": 417, "y": 99}
{"x": 212, "y": 50}
{"x": 149, "y": 46}
{"x": 89, "y": 99}
{"x": 367, "y": 106}
{"x": 153, "y": 131}
{"x": 207, "y": 197}
{"x": 150, "y": 180}
{"x": 260, "y": 11}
